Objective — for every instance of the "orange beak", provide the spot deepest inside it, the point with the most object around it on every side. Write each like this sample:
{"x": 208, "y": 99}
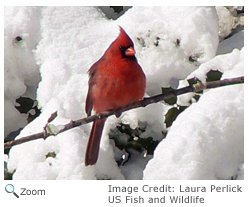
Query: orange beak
{"x": 130, "y": 51}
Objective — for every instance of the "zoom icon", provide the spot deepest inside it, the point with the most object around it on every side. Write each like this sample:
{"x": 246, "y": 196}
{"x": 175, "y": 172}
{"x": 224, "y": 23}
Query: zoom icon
{"x": 10, "y": 189}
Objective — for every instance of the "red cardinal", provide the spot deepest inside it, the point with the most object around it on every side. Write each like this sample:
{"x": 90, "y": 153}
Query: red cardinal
{"x": 116, "y": 80}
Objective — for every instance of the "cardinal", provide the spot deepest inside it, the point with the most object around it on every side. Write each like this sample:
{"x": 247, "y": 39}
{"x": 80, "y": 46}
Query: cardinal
{"x": 116, "y": 80}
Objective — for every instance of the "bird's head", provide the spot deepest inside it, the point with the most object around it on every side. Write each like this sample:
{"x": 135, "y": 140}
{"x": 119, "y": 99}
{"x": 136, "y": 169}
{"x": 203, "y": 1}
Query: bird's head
{"x": 122, "y": 47}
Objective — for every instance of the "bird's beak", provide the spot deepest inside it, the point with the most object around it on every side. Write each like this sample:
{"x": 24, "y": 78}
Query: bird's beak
{"x": 130, "y": 51}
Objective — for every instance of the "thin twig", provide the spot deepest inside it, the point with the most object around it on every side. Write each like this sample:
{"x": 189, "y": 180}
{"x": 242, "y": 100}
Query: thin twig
{"x": 146, "y": 101}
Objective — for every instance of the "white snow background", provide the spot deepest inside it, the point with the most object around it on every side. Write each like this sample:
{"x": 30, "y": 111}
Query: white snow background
{"x": 59, "y": 46}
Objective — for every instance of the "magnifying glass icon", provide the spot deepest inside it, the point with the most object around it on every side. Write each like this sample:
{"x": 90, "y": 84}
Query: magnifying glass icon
{"x": 10, "y": 189}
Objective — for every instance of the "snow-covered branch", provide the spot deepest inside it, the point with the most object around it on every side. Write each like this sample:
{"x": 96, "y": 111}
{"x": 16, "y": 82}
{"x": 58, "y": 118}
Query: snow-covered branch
{"x": 49, "y": 130}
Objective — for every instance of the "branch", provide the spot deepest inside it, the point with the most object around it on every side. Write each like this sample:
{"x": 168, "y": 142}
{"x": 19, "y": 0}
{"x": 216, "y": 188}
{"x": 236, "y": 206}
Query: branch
{"x": 146, "y": 101}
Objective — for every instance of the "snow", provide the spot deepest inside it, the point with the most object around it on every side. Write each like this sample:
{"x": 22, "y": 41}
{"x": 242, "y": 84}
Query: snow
{"x": 173, "y": 44}
{"x": 21, "y": 73}
{"x": 187, "y": 25}
{"x": 197, "y": 147}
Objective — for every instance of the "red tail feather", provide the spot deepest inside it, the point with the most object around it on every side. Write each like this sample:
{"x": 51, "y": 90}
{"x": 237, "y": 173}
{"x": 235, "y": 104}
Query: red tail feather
{"x": 92, "y": 151}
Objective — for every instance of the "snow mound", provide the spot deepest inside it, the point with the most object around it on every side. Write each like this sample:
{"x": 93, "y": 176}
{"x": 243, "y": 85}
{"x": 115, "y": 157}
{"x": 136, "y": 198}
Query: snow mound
{"x": 21, "y": 73}
{"x": 207, "y": 139}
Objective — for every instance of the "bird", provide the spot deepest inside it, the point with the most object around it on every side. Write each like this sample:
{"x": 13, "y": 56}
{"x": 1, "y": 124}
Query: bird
{"x": 115, "y": 80}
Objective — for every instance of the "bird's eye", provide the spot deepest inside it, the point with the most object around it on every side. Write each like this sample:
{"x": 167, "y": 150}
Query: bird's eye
{"x": 122, "y": 48}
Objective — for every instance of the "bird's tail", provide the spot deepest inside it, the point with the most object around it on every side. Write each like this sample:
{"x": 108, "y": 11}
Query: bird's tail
{"x": 92, "y": 151}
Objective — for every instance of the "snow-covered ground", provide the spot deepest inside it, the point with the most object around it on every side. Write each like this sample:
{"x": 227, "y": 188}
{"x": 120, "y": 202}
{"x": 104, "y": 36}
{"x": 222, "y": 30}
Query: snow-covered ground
{"x": 57, "y": 47}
